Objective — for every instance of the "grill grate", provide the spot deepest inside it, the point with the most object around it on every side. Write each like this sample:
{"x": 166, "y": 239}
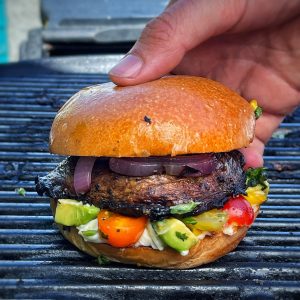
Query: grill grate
{"x": 36, "y": 262}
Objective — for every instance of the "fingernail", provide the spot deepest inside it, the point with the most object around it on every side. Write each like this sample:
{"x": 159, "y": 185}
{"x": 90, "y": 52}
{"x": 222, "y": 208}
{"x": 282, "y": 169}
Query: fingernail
{"x": 129, "y": 66}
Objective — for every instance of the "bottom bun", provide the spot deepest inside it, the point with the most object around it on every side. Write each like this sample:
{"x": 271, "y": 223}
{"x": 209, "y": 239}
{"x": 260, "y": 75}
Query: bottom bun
{"x": 207, "y": 250}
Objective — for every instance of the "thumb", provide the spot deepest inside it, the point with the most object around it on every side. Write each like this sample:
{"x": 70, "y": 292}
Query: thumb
{"x": 166, "y": 39}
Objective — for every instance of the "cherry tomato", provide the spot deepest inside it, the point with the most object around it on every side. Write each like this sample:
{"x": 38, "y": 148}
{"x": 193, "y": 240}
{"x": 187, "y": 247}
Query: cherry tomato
{"x": 239, "y": 211}
{"x": 120, "y": 231}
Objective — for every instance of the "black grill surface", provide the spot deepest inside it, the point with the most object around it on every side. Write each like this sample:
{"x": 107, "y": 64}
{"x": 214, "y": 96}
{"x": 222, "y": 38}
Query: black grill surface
{"x": 36, "y": 262}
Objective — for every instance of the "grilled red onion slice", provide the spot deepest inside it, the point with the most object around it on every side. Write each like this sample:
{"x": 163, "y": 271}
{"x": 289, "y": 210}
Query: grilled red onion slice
{"x": 135, "y": 166}
{"x": 83, "y": 174}
{"x": 195, "y": 165}
{"x": 203, "y": 167}
{"x": 174, "y": 169}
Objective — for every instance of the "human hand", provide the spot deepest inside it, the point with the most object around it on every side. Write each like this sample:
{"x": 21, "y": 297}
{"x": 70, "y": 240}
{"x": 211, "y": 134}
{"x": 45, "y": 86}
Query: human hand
{"x": 253, "y": 47}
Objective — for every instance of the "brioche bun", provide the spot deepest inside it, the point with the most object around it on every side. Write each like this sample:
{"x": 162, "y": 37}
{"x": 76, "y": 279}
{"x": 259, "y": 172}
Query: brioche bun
{"x": 207, "y": 250}
{"x": 169, "y": 116}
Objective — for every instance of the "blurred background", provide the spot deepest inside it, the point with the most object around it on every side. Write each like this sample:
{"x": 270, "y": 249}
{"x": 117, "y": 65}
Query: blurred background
{"x": 34, "y": 29}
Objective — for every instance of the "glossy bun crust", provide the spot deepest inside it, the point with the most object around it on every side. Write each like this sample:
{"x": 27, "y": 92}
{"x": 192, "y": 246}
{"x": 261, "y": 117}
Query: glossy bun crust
{"x": 207, "y": 250}
{"x": 169, "y": 116}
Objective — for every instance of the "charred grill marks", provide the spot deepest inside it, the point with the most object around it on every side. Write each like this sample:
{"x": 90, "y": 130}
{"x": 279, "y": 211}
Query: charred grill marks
{"x": 152, "y": 195}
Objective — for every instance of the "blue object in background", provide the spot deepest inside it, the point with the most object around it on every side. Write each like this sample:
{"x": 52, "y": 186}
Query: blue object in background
{"x": 3, "y": 37}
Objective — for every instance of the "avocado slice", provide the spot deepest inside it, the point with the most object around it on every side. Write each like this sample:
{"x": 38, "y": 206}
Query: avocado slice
{"x": 175, "y": 234}
{"x": 74, "y": 213}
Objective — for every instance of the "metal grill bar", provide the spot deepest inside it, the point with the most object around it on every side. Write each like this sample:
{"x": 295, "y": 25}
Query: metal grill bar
{"x": 36, "y": 262}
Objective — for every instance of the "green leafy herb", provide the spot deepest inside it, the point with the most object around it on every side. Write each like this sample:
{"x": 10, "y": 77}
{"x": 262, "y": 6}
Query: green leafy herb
{"x": 181, "y": 209}
{"x": 255, "y": 177}
{"x": 190, "y": 220}
{"x": 258, "y": 112}
{"x": 181, "y": 236}
{"x": 103, "y": 260}
{"x": 89, "y": 232}
{"x": 21, "y": 191}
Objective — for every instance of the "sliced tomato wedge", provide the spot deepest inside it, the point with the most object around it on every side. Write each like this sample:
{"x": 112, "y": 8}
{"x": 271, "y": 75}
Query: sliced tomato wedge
{"x": 239, "y": 211}
{"x": 120, "y": 231}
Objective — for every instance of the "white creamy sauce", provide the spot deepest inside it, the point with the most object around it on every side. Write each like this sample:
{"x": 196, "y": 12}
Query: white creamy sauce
{"x": 203, "y": 235}
{"x": 92, "y": 225}
{"x": 230, "y": 230}
{"x": 184, "y": 253}
{"x": 145, "y": 240}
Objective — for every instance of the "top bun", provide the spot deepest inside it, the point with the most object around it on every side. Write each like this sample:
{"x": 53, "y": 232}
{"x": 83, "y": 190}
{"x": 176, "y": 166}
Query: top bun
{"x": 169, "y": 116}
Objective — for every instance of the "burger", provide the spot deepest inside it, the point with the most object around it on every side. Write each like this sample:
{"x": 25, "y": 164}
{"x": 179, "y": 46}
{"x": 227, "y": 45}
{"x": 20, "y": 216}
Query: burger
{"x": 153, "y": 175}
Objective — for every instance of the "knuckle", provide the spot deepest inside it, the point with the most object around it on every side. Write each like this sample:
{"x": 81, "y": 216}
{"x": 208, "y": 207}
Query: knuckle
{"x": 159, "y": 30}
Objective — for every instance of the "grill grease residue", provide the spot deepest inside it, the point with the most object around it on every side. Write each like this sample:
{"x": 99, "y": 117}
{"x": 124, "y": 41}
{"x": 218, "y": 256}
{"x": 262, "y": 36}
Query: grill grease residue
{"x": 36, "y": 261}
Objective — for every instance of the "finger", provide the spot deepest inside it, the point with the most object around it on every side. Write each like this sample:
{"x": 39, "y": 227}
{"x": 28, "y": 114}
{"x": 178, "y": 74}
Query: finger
{"x": 264, "y": 128}
{"x": 166, "y": 39}
{"x": 266, "y": 125}
{"x": 254, "y": 154}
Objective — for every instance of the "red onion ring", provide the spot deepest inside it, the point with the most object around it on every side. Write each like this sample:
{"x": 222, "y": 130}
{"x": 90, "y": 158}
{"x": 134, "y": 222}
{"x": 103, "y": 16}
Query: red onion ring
{"x": 133, "y": 167}
{"x": 194, "y": 165}
{"x": 83, "y": 174}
